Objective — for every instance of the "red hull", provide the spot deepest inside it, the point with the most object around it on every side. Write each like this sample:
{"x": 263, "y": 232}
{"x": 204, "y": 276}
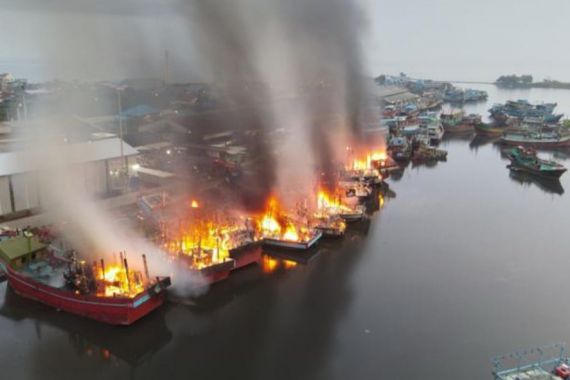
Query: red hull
{"x": 217, "y": 276}
{"x": 216, "y": 272}
{"x": 247, "y": 255}
{"x": 116, "y": 311}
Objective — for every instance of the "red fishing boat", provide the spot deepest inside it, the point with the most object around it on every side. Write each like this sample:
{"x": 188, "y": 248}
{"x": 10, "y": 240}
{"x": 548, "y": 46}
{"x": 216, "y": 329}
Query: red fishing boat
{"x": 112, "y": 294}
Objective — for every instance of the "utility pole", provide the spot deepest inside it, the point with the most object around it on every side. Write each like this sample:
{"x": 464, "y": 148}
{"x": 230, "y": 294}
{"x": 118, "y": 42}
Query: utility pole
{"x": 166, "y": 78}
{"x": 120, "y": 111}
{"x": 25, "y": 107}
{"x": 124, "y": 168}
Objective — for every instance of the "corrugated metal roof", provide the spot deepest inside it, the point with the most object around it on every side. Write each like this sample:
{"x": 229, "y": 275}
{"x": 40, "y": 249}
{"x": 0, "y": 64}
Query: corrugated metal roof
{"x": 15, "y": 162}
{"x": 19, "y": 246}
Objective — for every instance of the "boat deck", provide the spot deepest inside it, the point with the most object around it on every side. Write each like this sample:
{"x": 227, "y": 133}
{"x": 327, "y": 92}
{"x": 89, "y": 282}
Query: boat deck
{"x": 44, "y": 272}
{"x": 531, "y": 364}
{"x": 529, "y": 374}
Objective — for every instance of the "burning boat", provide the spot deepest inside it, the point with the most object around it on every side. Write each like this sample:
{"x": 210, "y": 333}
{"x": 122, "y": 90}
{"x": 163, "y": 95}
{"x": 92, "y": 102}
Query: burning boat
{"x": 354, "y": 191}
{"x": 330, "y": 225}
{"x": 333, "y": 206}
{"x": 244, "y": 245}
{"x": 211, "y": 243}
{"x": 366, "y": 170}
{"x": 109, "y": 293}
{"x": 204, "y": 250}
{"x": 283, "y": 231}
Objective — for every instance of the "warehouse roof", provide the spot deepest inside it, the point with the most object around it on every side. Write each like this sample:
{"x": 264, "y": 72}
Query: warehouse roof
{"x": 15, "y": 162}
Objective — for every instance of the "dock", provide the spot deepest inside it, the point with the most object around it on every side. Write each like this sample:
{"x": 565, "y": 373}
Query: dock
{"x": 537, "y": 363}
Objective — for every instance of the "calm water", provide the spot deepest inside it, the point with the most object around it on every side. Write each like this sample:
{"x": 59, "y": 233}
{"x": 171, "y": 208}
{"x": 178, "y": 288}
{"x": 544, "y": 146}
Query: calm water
{"x": 465, "y": 263}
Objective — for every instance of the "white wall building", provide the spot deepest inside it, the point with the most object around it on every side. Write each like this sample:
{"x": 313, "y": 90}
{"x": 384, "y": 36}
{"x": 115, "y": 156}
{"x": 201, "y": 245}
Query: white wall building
{"x": 95, "y": 165}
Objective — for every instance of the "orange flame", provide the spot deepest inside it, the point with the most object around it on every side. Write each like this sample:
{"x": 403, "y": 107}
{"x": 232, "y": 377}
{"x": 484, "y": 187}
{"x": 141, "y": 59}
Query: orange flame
{"x": 291, "y": 233}
{"x": 277, "y": 225}
{"x": 194, "y": 204}
{"x": 367, "y": 162}
{"x": 114, "y": 282}
{"x": 327, "y": 203}
{"x": 207, "y": 242}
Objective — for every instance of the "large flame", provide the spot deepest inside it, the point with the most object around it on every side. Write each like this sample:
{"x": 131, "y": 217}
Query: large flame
{"x": 208, "y": 242}
{"x": 270, "y": 224}
{"x": 367, "y": 161}
{"x": 291, "y": 233}
{"x": 115, "y": 282}
{"x": 276, "y": 224}
{"x": 330, "y": 204}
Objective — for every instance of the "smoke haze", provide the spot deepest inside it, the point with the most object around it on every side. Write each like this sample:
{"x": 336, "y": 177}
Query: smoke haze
{"x": 294, "y": 65}
{"x": 306, "y": 55}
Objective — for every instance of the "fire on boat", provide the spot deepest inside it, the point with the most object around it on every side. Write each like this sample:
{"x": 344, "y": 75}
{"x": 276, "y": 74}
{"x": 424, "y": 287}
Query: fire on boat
{"x": 214, "y": 246}
{"x": 287, "y": 231}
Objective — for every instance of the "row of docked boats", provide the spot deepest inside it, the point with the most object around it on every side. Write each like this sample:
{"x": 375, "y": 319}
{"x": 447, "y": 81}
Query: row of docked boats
{"x": 522, "y": 123}
{"x": 458, "y": 95}
{"x": 525, "y": 111}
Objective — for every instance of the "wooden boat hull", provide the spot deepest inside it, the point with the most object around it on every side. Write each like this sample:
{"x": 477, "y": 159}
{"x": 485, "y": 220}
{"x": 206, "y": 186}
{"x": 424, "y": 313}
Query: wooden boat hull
{"x": 458, "y": 129}
{"x": 549, "y": 174}
{"x": 538, "y": 143}
{"x": 488, "y": 131}
{"x": 110, "y": 310}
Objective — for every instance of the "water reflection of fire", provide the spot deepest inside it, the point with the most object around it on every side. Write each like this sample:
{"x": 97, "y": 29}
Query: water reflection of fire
{"x": 270, "y": 264}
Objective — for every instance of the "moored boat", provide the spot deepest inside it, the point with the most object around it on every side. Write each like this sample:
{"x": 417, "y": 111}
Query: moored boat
{"x": 399, "y": 149}
{"x": 536, "y": 139}
{"x": 301, "y": 243}
{"x": 457, "y": 122}
{"x": 435, "y": 133}
{"x": 330, "y": 225}
{"x": 112, "y": 294}
{"x": 526, "y": 159}
{"x": 487, "y": 129}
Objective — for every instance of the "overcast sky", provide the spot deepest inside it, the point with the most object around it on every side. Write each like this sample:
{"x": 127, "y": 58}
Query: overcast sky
{"x": 443, "y": 39}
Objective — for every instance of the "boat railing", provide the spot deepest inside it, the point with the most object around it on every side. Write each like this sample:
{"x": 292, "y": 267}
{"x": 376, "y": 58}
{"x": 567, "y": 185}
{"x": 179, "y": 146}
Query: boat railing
{"x": 545, "y": 358}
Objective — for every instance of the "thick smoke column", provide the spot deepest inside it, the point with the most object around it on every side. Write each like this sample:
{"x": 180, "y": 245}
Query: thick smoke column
{"x": 304, "y": 56}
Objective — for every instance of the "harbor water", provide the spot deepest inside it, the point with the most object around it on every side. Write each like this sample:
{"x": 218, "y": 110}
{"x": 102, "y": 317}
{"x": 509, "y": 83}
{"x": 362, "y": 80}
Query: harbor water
{"x": 466, "y": 262}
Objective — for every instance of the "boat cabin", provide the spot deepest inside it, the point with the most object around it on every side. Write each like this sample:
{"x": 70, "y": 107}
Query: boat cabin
{"x": 20, "y": 250}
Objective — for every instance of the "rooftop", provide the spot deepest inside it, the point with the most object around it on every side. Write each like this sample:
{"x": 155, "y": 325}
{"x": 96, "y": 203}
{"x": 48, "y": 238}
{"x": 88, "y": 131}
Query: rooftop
{"x": 23, "y": 161}
{"x": 19, "y": 246}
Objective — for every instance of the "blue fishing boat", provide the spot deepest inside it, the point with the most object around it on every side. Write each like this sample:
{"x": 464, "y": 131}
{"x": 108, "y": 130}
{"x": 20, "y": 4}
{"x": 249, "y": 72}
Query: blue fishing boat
{"x": 526, "y": 159}
{"x": 522, "y": 109}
